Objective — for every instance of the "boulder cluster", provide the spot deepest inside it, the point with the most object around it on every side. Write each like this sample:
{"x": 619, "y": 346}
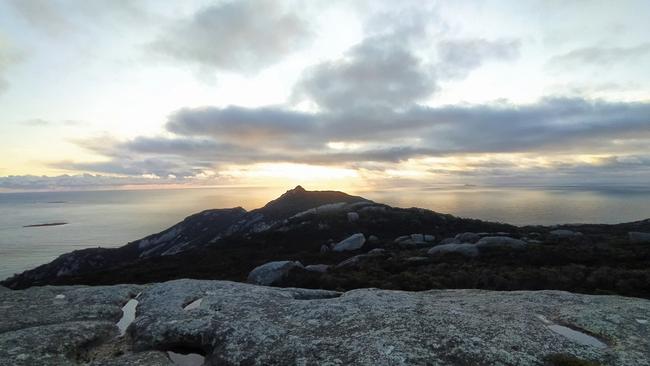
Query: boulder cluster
{"x": 466, "y": 244}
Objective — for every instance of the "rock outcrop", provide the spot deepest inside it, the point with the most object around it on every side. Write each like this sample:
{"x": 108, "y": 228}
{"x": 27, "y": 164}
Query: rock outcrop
{"x": 466, "y": 249}
{"x": 272, "y": 272}
{"x": 500, "y": 242}
{"x": 415, "y": 240}
{"x": 353, "y": 216}
{"x": 320, "y": 268}
{"x": 353, "y": 242}
{"x": 246, "y": 324}
{"x": 467, "y": 237}
{"x": 60, "y": 325}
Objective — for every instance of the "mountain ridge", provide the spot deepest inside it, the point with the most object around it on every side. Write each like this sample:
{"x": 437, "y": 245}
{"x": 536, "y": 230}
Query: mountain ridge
{"x": 388, "y": 247}
{"x": 203, "y": 228}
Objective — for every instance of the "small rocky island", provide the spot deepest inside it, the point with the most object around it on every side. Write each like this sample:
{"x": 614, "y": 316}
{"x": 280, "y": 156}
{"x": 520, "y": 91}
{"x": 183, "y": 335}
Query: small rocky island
{"x": 47, "y": 224}
{"x": 335, "y": 279}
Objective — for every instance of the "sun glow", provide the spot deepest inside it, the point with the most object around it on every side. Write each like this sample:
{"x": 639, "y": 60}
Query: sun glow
{"x": 283, "y": 174}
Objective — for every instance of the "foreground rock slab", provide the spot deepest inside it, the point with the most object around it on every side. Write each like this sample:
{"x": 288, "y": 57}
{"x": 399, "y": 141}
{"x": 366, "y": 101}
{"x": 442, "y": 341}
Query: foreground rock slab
{"x": 59, "y": 325}
{"x": 239, "y": 323}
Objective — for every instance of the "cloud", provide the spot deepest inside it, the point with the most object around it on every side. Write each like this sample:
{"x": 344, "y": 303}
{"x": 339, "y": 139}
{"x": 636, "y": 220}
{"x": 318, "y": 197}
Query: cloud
{"x": 159, "y": 167}
{"x": 44, "y": 14}
{"x": 554, "y": 123}
{"x": 206, "y": 138}
{"x": 394, "y": 67}
{"x": 371, "y": 106}
{"x": 609, "y": 171}
{"x": 57, "y": 18}
{"x": 36, "y": 122}
{"x": 75, "y": 182}
{"x": 458, "y": 57}
{"x": 236, "y": 36}
{"x": 39, "y": 122}
{"x": 8, "y": 58}
{"x": 599, "y": 56}
{"x": 242, "y": 126}
{"x": 171, "y": 146}
{"x": 380, "y": 72}
{"x": 557, "y": 124}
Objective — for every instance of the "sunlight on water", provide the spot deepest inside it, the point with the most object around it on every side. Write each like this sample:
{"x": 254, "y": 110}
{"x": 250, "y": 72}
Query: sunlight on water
{"x": 527, "y": 206}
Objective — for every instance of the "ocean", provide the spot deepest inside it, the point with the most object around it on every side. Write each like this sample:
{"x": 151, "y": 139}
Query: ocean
{"x": 114, "y": 218}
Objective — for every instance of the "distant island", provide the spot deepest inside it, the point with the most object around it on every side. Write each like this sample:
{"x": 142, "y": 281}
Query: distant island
{"x": 47, "y": 224}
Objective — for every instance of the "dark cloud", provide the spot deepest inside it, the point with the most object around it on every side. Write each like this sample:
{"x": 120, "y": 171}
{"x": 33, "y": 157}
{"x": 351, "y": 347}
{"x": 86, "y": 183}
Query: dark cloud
{"x": 600, "y": 56}
{"x": 197, "y": 152}
{"x": 159, "y": 167}
{"x": 173, "y": 146}
{"x": 458, "y": 57}
{"x": 551, "y": 124}
{"x": 242, "y": 126}
{"x": 238, "y": 35}
{"x": 208, "y": 137}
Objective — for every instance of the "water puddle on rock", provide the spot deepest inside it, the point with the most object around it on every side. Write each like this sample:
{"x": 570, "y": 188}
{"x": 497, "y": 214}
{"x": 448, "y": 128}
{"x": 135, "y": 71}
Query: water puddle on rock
{"x": 190, "y": 359}
{"x": 128, "y": 315}
{"x": 574, "y": 335}
{"x": 193, "y": 305}
{"x": 577, "y": 337}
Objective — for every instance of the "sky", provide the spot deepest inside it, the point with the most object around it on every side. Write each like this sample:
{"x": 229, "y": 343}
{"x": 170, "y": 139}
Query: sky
{"x": 373, "y": 94}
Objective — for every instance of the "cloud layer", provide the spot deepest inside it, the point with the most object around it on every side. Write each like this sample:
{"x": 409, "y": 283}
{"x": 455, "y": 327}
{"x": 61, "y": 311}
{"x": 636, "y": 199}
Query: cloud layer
{"x": 371, "y": 113}
{"x": 75, "y": 182}
{"x": 209, "y": 137}
{"x": 240, "y": 36}
{"x": 387, "y": 90}
{"x": 8, "y": 57}
{"x": 600, "y": 55}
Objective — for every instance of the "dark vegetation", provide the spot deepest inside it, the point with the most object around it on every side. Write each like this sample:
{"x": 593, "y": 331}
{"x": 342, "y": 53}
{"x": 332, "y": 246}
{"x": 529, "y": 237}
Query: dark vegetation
{"x": 559, "y": 359}
{"x": 609, "y": 269}
{"x": 611, "y": 266}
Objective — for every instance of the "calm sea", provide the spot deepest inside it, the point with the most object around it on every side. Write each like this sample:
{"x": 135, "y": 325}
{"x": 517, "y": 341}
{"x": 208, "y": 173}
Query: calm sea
{"x": 113, "y": 218}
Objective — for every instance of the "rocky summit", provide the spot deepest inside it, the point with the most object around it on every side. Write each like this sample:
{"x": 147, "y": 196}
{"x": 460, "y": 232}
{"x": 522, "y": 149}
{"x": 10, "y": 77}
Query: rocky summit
{"x": 194, "y": 322}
